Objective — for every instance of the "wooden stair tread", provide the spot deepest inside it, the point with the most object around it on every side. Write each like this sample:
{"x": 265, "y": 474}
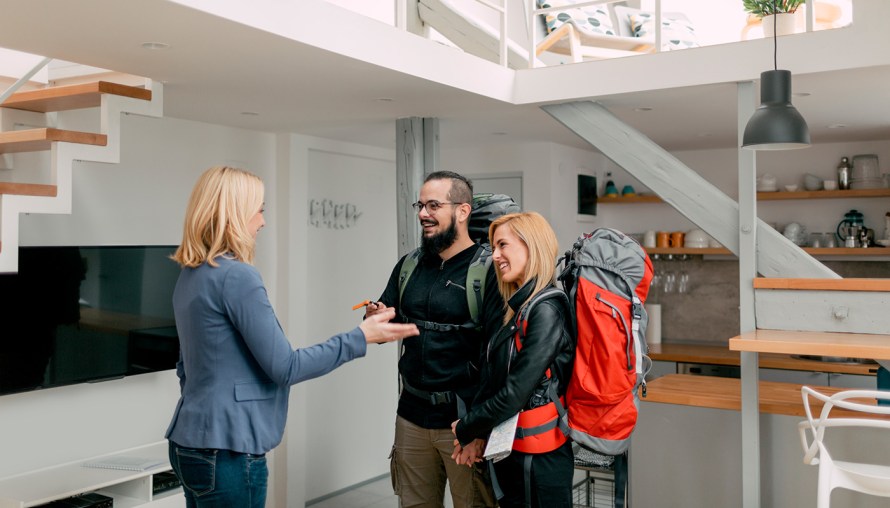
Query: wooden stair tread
{"x": 28, "y": 189}
{"x": 62, "y": 98}
{"x": 33, "y": 140}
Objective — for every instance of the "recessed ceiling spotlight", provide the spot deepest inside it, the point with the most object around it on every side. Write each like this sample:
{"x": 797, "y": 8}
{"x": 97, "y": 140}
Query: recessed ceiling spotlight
{"x": 643, "y": 109}
{"x": 838, "y": 126}
{"x": 384, "y": 99}
{"x": 155, "y": 46}
{"x": 801, "y": 94}
{"x": 250, "y": 113}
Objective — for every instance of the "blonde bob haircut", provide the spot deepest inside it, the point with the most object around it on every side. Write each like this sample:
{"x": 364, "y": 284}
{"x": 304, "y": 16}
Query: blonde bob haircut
{"x": 539, "y": 238}
{"x": 222, "y": 203}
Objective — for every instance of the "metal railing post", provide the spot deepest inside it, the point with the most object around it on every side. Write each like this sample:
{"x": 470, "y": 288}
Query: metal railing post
{"x": 24, "y": 79}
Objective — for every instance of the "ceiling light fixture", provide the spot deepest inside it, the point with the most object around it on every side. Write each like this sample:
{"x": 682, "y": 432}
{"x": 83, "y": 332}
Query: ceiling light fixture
{"x": 776, "y": 124}
{"x": 155, "y": 46}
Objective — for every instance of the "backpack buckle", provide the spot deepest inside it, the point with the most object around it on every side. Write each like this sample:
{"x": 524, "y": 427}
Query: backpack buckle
{"x": 437, "y": 398}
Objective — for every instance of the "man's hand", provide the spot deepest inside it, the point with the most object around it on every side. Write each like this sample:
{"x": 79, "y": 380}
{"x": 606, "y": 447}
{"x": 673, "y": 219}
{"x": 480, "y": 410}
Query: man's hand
{"x": 378, "y": 329}
{"x": 373, "y": 308}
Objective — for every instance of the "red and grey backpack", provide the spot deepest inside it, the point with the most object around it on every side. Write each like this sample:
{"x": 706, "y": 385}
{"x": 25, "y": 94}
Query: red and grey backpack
{"x": 606, "y": 277}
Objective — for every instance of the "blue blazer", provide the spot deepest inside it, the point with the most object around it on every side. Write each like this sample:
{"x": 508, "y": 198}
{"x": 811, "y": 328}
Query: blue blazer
{"x": 236, "y": 365}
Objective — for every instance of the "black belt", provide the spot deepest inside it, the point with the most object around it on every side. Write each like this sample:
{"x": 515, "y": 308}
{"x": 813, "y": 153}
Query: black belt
{"x": 434, "y": 398}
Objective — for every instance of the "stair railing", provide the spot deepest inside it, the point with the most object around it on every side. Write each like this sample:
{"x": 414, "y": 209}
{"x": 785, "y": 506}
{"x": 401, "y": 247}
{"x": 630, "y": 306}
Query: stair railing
{"x": 24, "y": 79}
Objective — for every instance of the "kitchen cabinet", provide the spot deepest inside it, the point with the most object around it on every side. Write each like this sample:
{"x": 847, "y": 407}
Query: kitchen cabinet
{"x": 661, "y": 368}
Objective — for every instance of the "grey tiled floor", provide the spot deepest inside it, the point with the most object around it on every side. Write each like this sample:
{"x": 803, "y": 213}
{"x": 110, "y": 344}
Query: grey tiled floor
{"x": 377, "y": 494}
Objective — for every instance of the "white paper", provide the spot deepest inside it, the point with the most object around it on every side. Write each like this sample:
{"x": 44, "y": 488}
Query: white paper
{"x": 500, "y": 442}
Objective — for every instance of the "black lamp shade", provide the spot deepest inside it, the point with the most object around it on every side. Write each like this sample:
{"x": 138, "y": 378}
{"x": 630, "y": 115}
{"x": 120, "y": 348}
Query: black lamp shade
{"x": 776, "y": 124}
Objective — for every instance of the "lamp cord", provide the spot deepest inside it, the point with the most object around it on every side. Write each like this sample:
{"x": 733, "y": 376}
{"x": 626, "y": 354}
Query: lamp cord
{"x": 775, "y": 38}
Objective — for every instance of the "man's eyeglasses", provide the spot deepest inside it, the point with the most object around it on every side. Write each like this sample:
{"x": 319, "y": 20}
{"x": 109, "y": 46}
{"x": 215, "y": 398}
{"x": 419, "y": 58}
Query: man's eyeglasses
{"x": 432, "y": 206}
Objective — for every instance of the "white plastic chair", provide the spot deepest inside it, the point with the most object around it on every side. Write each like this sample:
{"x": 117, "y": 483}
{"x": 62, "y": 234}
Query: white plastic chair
{"x": 871, "y": 479}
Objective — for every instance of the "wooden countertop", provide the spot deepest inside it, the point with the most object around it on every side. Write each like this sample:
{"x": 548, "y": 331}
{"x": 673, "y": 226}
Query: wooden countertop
{"x": 856, "y": 345}
{"x": 722, "y": 355}
{"x": 726, "y": 393}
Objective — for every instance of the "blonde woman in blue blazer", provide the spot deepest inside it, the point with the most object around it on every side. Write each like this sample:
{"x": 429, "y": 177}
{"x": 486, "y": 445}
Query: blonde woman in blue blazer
{"x": 236, "y": 365}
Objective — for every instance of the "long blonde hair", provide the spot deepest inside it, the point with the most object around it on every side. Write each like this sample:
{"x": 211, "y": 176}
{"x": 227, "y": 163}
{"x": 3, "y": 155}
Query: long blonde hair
{"x": 222, "y": 203}
{"x": 538, "y": 236}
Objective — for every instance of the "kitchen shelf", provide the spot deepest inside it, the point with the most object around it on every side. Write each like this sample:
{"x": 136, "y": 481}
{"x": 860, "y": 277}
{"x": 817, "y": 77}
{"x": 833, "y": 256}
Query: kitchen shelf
{"x": 824, "y": 194}
{"x": 767, "y": 196}
{"x": 722, "y": 251}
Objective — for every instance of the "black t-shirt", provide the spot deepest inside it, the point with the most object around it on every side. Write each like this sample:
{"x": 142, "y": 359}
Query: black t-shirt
{"x": 440, "y": 361}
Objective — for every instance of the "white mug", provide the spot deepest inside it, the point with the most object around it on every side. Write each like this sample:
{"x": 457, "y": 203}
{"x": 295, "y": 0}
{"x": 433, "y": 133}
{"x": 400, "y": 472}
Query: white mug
{"x": 649, "y": 239}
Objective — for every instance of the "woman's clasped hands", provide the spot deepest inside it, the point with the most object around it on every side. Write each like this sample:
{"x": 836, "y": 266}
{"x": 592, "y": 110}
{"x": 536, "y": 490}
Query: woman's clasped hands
{"x": 469, "y": 454}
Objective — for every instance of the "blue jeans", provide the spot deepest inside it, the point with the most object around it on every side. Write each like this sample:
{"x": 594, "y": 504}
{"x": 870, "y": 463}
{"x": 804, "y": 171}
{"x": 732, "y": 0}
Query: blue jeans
{"x": 220, "y": 478}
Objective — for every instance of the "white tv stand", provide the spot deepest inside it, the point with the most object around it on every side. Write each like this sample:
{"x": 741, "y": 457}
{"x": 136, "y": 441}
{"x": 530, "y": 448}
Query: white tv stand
{"x": 127, "y": 488}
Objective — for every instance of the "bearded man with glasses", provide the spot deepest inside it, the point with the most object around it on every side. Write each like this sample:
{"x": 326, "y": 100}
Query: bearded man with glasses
{"x": 439, "y": 369}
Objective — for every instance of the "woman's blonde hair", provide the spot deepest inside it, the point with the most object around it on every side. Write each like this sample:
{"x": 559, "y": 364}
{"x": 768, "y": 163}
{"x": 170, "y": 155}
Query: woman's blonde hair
{"x": 538, "y": 236}
{"x": 222, "y": 203}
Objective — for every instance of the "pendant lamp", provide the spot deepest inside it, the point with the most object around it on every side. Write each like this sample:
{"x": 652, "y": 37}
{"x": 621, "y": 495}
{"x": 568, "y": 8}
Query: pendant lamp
{"x": 776, "y": 124}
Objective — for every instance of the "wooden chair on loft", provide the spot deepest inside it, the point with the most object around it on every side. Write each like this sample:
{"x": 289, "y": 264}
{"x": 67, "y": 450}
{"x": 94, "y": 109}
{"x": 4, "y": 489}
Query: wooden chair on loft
{"x": 863, "y": 477}
{"x": 585, "y": 30}
{"x": 599, "y": 29}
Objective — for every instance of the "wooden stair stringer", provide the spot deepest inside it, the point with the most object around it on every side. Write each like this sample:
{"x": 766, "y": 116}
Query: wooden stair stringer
{"x": 63, "y": 157}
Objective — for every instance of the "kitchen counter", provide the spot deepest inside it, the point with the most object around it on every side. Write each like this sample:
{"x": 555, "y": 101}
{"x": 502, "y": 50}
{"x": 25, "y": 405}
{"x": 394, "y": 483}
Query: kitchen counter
{"x": 721, "y": 355}
{"x": 726, "y": 393}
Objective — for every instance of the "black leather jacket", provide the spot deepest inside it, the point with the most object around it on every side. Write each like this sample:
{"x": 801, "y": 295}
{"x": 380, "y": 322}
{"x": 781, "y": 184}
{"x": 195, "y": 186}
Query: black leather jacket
{"x": 513, "y": 381}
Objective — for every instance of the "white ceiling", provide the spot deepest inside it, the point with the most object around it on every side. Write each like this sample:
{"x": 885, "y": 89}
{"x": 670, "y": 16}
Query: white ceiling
{"x": 217, "y": 70}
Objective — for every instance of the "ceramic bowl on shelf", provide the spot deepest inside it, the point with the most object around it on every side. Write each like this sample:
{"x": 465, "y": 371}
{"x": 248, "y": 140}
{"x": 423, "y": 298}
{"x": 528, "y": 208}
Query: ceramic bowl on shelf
{"x": 883, "y": 243}
{"x": 696, "y": 239}
{"x": 791, "y": 188}
{"x": 812, "y": 182}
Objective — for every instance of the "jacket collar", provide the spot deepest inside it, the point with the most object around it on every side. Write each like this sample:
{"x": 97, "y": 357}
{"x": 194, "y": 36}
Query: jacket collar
{"x": 521, "y": 296}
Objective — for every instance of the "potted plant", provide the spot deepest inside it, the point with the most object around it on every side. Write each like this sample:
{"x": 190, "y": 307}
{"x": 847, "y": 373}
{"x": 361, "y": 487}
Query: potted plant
{"x": 784, "y": 11}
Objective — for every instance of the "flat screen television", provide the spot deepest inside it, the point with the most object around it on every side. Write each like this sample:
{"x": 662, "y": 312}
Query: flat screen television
{"x": 85, "y": 314}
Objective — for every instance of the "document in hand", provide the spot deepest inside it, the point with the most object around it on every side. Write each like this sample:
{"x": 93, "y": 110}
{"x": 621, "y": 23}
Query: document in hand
{"x": 500, "y": 442}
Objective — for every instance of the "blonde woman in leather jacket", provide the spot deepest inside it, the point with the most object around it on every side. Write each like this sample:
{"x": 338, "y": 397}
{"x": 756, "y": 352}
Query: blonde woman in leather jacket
{"x": 525, "y": 372}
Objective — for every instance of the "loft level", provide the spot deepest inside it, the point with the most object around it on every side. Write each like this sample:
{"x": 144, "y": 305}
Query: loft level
{"x": 34, "y": 140}
{"x": 62, "y": 98}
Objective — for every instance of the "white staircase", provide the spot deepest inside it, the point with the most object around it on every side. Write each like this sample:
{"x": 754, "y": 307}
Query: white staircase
{"x": 19, "y": 192}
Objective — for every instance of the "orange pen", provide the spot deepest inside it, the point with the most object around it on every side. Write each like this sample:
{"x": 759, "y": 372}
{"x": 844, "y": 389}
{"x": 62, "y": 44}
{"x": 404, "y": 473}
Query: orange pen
{"x": 362, "y": 304}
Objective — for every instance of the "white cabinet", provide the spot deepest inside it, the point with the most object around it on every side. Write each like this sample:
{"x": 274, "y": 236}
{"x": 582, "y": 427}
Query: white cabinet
{"x": 128, "y": 489}
{"x": 800, "y": 377}
{"x": 660, "y": 368}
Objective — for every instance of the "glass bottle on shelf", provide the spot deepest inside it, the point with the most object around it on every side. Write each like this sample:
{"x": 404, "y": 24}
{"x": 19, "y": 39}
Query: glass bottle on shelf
{"x": 843, "y": 174}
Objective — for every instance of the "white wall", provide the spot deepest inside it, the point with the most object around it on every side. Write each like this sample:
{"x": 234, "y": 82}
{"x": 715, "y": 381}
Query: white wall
{"x": 350, "y": 411}
{"x": 139, "y": 201}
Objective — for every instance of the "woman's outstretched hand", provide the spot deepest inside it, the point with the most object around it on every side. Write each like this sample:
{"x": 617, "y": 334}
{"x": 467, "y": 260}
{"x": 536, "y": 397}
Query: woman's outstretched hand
{"x": 378, "y": 329}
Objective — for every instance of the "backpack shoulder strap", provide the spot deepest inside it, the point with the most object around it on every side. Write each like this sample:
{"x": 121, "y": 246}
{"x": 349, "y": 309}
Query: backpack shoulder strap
{"x": 408, "y": 266}
{"x": 477, "y": 273}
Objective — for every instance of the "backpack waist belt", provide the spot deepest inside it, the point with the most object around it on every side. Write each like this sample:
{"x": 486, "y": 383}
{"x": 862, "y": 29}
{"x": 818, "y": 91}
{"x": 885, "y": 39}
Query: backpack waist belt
{"x": 538, "y": 430}
{"x": 439, "y": 327}
{"x": 434, "y": 398}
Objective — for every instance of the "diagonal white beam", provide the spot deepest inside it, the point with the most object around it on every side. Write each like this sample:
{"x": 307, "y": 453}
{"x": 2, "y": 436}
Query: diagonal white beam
{"x": 684, "y": 189}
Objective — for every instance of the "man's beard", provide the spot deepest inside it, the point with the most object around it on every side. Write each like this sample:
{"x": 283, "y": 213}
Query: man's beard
{"x": 440, "y": 241}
